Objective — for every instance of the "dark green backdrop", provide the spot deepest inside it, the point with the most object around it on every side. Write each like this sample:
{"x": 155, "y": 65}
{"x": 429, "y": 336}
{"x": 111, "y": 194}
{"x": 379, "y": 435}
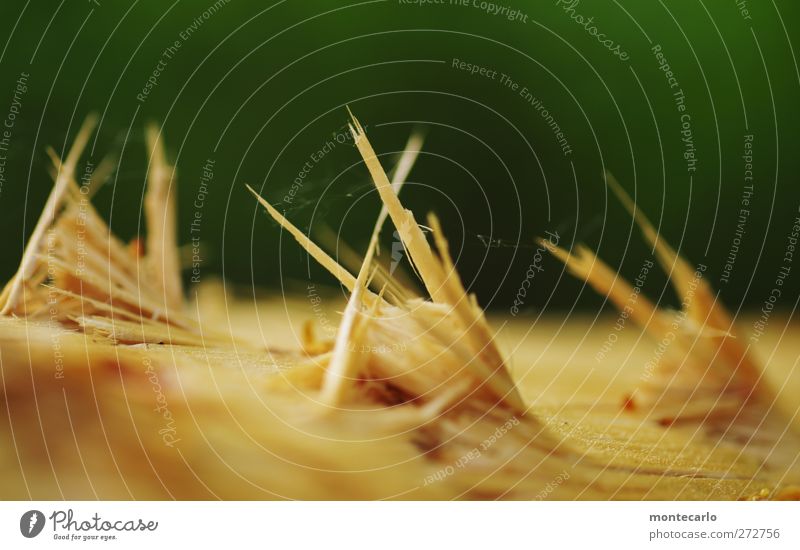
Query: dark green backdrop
{"x": 259, "y": 88}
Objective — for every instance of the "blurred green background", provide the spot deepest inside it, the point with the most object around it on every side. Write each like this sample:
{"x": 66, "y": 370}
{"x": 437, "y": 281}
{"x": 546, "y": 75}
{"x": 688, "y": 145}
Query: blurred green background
{"x": 260, "y": 87}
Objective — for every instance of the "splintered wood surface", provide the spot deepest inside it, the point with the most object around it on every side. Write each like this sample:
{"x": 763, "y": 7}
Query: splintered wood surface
{"x": 115, "y": 386}
{"x": 576, "y": 380}
{"x": 553, "y": 356}
{"x": 102, "y": 435}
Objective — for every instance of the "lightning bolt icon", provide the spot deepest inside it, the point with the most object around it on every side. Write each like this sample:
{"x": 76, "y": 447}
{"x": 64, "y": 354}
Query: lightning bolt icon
{"x": 34, "y": 519}
{"x": 397, "y": 252}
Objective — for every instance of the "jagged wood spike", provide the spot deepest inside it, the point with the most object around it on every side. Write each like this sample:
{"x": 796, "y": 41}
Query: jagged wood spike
{"x": 481, "y": 339}
{"x": 99, "y": 176}
{"x": 396, "y": 292}
{"x": 680, "y": 272}
{"x": 413, "y": 238}
{"x": 440, "y": 280}
{"x": 346, "y": 357}
{"x": 699, "y": 301}
{"x": 585, "y": 265}
{"x": 161, "y": 249}
{"x": 11, "y": 293}
{"x": 715, "y": 366}
{"x": 322, "y": 257}
{"x": 401, "y": 171}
